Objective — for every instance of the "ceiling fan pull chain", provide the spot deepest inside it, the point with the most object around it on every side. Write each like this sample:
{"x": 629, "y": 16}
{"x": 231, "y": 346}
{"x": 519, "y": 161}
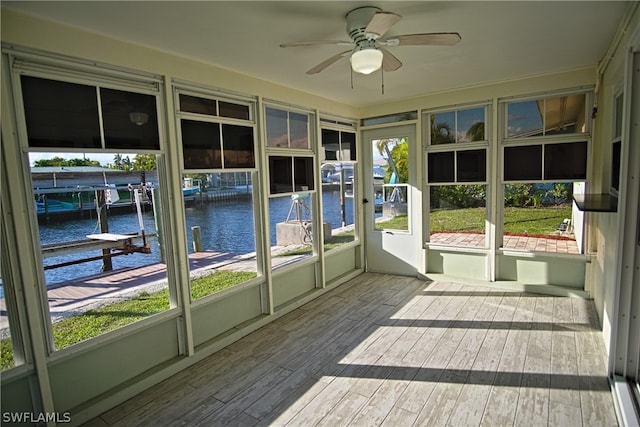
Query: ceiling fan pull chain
{"x": 351, "y": 77}
{"x": 382, "y": 77}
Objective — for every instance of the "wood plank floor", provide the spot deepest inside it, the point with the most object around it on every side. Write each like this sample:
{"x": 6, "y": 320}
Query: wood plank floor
{"x": 397, "y": 351}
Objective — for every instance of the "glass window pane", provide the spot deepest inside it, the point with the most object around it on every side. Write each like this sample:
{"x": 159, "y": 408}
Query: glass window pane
{"x": 394, "y": 214}
{"x": 470, "y": 126}
{"x": 472, "y": 165}
{"x": 443, "y": 128}
{"x": 201, "y": 145}
{"x": 291, "y": 228}
{"x": 441, "y": 166}
{"x": 330, "y": 143}
{"x": 234, "y": 111}
{"x": 220, "y": 231}
{"x": 299, "y": 130}
{"x": 60, "y": 114}
{"x": 539, "y": 218}
{"x": 90, "y": 286}
{"x": 523, "y": 163}
{"x": 280, "y": 174}
{"x": 524, "y": 119}
{"x": 458, "y": 215}
{"x": 195, "y": 104}
{"x": 348, "y": 144}
{"x": 564, "y": 114}
{"x": 303, "y": 173}
{"x": 277, "y": 128}
{"x": 391, "y": 195}
{"x": 338, "y": 209}
{"x": 238, "y": 146}
{"x": 565, "y": 161}
{"x": 130, "y": 120}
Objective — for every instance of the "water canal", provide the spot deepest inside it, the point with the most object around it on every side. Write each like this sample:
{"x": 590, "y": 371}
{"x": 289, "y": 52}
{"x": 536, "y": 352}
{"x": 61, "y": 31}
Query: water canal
{"x": 226, "y": 227}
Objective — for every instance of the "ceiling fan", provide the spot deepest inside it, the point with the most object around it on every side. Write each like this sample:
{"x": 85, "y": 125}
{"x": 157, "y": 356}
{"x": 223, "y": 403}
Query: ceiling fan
{"x": 365, "y": 26}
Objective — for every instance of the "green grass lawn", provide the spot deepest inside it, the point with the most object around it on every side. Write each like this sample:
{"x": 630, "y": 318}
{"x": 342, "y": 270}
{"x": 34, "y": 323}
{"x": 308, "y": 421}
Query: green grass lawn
{"x": 529, "y": 221}
{"x": 113, "y": 316}
{"x": 398, "y": 222}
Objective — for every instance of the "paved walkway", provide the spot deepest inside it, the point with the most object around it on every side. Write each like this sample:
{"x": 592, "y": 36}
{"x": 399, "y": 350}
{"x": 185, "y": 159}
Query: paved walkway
{"x": 553, "y": 244}
{"x": 77, "y": 296}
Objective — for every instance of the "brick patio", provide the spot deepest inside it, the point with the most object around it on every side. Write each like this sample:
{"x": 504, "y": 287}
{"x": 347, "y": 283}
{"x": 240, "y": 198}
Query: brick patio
{"x": 525, "y": 243}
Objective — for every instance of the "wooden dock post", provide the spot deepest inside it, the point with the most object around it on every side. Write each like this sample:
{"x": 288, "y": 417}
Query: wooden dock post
{"x": 101, "y": 208}
{"x": 197, "y": 238}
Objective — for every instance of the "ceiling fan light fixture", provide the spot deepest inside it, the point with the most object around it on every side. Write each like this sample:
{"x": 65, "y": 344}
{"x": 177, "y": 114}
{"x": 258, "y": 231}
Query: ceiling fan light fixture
{"x": 366, "y": 61}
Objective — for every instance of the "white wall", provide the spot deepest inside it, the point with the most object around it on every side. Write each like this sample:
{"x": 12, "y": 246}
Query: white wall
{"x": 604, "y": 226}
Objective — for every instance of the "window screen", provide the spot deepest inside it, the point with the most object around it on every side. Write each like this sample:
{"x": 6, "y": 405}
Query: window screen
{"x": 60, "y": 114}
{"x": 130, "y": 120}
{"x": 238, "y": 146}
{"x": 441, "y": 166}
{"x": 280, "y": 174}
{"x": 472, "y": 165}
{"x": 565, "y": 161}
{"x": 523, "y": 163}
{"x": 201, "y": 145}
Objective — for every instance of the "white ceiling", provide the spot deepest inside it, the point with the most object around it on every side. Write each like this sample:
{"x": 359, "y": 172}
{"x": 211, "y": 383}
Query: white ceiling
{"x": 500, "y": 40}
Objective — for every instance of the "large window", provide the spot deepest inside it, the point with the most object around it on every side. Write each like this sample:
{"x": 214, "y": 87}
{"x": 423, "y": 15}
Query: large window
{"x": 97, "y": 175}
{"x": 339, "y": 174}
{"x": 292, "y": 185}
{"x": 544, "y": 160}
{"x": 218, "y": 149}
{"x": 102, "y": 246}
{"x": 456, "y": 162}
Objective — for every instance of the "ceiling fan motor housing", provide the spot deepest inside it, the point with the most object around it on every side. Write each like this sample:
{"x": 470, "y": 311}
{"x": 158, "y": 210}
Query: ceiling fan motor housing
{"x": 357, "y": 21}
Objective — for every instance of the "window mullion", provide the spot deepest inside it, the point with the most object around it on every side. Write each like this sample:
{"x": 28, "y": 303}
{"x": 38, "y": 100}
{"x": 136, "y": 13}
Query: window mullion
{"x": 100, "y": 117}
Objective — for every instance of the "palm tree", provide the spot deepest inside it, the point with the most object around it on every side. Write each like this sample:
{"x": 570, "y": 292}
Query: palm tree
{"x": 476, "y": 132}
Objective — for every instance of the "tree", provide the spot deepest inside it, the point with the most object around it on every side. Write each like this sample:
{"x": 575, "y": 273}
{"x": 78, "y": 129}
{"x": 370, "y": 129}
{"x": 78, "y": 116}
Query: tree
{"x": 144, "y": 162}
{"x": 397, "y": 157}
{"x": 441, "y": 133}
{"x": 121, "y": 162}
{"x": 59, "y": 161}
{"x": 476, "y": 132}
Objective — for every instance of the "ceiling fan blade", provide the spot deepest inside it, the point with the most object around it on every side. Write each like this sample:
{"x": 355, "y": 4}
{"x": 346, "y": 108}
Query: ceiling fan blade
{"x": 430, "y": 39}
{"x": 381, "y": 22}
{"x": 317, "y": 42}
{"x": 321, "y": 66}
{"x": 389, "y": 61}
